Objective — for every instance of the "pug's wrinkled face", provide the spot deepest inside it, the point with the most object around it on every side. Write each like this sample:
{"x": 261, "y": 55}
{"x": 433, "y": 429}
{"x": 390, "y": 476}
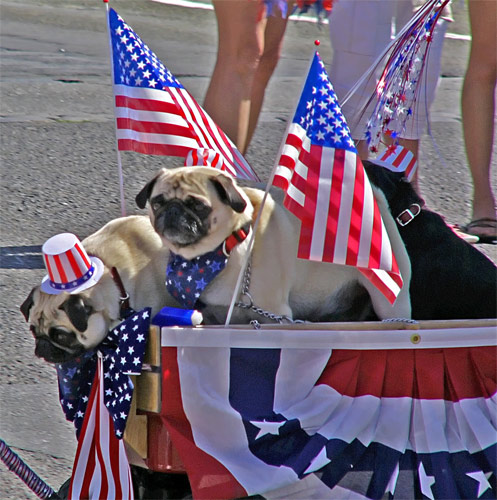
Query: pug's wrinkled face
{"x": 193, "y": 209}
{"x": 64, "y": 325}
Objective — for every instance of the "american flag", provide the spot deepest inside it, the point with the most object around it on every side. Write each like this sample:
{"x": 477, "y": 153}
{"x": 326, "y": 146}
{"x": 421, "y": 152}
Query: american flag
{"x": 334, "y": 424}
{"x": 95, "y": 393}
{"x": 154, "y": 113}
{"x": 327, "y": 189}
{"x": 101, "y": 468}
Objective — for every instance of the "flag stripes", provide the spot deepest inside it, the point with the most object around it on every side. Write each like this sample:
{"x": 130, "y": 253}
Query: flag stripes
{"x": 328, "y": 190}
{"x": 101, "y": 468}
{"x": 383, "y": 420}
{"x": 154, "y": 112}
{"x": 398, "y": 159}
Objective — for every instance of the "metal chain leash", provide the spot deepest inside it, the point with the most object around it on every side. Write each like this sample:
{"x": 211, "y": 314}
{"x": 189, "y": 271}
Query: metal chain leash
{"x": 250, "y": 303}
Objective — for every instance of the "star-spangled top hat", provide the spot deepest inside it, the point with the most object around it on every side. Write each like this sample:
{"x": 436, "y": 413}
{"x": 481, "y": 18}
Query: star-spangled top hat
{"x": 203, "y": 157}
{"x": 70, "y": 268}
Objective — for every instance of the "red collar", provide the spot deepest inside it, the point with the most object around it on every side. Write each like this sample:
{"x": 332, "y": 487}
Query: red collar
{"x": 235, "y": 238}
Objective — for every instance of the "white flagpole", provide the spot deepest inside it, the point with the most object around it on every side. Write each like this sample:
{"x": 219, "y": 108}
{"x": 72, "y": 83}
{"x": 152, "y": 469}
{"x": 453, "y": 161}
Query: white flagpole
{"x": 119, "y": 163}
{"x": 238, "y": 284}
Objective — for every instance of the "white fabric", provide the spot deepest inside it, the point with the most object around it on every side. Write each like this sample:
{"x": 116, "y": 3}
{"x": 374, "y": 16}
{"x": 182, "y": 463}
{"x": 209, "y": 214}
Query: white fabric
{"x": 359, "y": 31}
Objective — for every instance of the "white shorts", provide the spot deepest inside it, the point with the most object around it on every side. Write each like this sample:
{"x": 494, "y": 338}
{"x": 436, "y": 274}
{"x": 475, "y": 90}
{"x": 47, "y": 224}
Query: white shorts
{"x": 359, "y": 32}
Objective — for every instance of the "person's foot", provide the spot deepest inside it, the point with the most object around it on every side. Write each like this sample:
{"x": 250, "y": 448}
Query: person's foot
{"x": 485, "y": 229}
{"x": 468, "y": 238}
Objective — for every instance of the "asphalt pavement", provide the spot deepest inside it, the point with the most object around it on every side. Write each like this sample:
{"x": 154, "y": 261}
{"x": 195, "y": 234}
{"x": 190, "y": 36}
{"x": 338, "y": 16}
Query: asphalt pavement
{"x": 59, "y": 167}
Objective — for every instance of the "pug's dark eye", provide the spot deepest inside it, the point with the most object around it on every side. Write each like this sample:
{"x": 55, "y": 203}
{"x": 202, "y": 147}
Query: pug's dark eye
{"x": 156, "y": 202}
{"x": 198, "y": 206}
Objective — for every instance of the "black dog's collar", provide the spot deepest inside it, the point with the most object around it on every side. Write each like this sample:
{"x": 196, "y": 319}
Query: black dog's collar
{"x": 407, "y": 215}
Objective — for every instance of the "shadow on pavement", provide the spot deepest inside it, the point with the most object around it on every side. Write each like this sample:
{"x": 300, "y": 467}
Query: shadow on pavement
{"x": 22, "y": 257}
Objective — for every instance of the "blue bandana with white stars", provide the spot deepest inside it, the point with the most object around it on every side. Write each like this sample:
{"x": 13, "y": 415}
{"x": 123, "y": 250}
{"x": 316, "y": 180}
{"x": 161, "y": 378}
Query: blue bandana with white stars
{"x": 186, "y": 279}
{"x": 123, "y": 350}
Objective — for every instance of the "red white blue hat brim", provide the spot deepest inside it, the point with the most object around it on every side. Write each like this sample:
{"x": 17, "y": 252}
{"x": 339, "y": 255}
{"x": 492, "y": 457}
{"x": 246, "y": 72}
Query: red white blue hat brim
{"x": 98, "y": 270}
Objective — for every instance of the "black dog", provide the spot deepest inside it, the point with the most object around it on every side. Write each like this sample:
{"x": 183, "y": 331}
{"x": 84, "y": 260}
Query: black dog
{"x": 450, "y": 279}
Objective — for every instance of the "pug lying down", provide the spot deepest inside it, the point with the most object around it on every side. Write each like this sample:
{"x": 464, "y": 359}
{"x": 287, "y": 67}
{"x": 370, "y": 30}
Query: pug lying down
{"x": 201, "y": 214}
{"x": 66, "y": 324}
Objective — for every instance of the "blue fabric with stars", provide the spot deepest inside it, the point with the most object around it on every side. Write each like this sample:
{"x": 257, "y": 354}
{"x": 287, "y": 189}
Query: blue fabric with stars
{"x": 364, "y": 469}
{"x": 318, "y": 111}
{"x": 141, "y": 67}
{"x": 123, "y": 350}
{"x": 186, "y": 279}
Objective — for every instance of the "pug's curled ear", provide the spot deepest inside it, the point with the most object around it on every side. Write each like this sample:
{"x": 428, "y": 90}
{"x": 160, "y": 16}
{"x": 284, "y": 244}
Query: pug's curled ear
{"x": 229, "y": 193}
{"x": 27, "y": 304}
{"x": 77, "y": 311}
{"x": 143, "y": 196}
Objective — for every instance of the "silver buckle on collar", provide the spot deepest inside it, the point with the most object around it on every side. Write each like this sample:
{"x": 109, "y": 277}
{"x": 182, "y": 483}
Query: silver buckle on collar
{"x": 401, "y": 218}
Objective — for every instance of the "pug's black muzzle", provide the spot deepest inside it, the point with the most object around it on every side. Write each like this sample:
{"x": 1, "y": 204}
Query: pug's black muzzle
{"x": 179, "y": 224}
{"x": 46, "y": 350}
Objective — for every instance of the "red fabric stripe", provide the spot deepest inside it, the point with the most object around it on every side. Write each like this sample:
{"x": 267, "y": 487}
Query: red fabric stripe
{"x": 288, "y": 162}
{"x": 356, "y": 218}
{"x": 153, "y": 127}
{"x": 74, "y": 265}
{"x": 208, "y": 478}
{"x": 145, "y": 104}
{"x": 280, "y": 182}
{"x": 152, "y": 149}
{"x": 115, "y": 457}
{"x": 294, "y": 140}
{"x": 309, "y": 186}
{"x": 420, "y": 374}
{"x": 60, "y": 269}
{"x": 378, "y": 283}
{"x": 83, "y": 256}
{"x": 305, "y": 240}
{"x": 334, "y": 207}
{"x": 195, "y": 157}
{"x": 400, "y": 157}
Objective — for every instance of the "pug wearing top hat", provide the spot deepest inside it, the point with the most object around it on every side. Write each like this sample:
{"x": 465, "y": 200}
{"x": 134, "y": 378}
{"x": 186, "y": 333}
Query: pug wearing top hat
{"x": 205, "y": 219}
{"x": 90, "y": 284}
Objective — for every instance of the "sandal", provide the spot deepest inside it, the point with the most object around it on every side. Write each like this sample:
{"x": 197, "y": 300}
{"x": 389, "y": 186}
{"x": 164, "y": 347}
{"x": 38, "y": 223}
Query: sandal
{"x": 458, "y": 231}
{"x": 485, "y": 222}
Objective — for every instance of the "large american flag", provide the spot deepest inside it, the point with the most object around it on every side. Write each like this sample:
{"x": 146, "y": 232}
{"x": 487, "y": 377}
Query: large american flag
{"x": 334, "y": 424}
{"x": 328, "y": 190}
{"x": 154, "y": 113}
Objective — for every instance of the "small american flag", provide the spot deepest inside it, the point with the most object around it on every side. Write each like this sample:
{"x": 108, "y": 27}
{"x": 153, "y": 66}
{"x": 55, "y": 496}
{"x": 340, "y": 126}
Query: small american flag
{"x": 328, "y": 190}
{"x": 154, "y": 113}
{"x": 96, "y": 393}
{"x": 101, "y": 468}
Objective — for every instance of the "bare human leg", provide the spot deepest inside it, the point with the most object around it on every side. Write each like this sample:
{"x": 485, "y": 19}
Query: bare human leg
{"x": 478, "y": 111}
{"x": 240, "y": 46}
